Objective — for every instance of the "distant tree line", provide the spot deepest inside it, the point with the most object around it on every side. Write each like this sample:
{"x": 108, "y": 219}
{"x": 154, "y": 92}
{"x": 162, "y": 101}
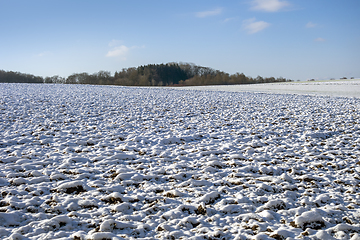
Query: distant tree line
{"x": 169, "y": 74}
{"x": 17, "y": 77}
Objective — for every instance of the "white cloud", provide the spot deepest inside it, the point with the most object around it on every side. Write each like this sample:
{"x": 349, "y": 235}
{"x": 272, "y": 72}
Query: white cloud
{"x": 229, "y": 19}
{"x": 119, "y": 51}
{"x": 114, "y": 42}
{"x": 43, "y": 54}
{"x": 319, "y": 39}
{"x": 252, "y": 26}
{"x": 269, "y": 5}
{"x": 310, "y": 25}
{"x": 210, "y": 13}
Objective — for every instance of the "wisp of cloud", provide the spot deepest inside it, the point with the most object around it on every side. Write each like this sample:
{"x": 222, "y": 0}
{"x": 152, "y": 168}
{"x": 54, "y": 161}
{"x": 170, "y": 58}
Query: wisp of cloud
{"x": 210, "y": 13}
{"x": 118, "y": 51}
{"x": 310, "y": 25}
{"x": 269, "y": 5}
{"x": 252, "y": 26}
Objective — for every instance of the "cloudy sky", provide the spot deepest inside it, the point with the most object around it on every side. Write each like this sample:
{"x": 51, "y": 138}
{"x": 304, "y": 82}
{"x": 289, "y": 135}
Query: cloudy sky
{"x": 296, "y": 39}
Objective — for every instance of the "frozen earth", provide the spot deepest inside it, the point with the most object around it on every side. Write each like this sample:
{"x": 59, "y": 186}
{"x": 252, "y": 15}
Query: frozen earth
{"x": 342, "y": 88}
{"x": 106, "y": 162}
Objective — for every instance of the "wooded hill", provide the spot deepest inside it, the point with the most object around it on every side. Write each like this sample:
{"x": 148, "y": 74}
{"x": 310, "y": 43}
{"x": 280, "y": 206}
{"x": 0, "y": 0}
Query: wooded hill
{"x": 169, "y": 74}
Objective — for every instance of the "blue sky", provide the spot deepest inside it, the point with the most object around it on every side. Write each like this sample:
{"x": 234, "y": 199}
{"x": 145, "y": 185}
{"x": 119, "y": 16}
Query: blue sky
{"x": 296, "y": 39}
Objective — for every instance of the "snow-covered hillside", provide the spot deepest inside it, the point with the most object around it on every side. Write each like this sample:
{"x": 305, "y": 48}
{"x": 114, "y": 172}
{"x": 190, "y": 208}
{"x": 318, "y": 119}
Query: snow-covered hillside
{"x": 105, "y": 162}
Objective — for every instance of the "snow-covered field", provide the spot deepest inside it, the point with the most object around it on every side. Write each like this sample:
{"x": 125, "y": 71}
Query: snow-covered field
{"x": 343, "y": 88}
{"x": 106, "y": 162}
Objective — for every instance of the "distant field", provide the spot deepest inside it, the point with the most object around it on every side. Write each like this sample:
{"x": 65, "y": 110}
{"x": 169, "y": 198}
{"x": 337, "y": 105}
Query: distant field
{"x": 340, "y": 88}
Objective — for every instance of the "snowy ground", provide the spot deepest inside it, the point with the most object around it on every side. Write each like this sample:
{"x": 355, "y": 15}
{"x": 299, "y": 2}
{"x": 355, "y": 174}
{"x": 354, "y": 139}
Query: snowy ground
{"x": 344, "y": 88}
{"x": 105, "y": 162}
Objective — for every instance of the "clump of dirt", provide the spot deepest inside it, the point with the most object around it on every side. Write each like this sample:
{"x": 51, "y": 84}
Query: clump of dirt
{"x": 78, "y": 189}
